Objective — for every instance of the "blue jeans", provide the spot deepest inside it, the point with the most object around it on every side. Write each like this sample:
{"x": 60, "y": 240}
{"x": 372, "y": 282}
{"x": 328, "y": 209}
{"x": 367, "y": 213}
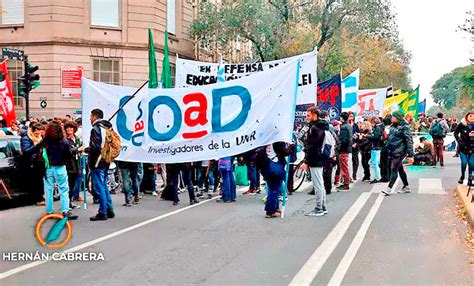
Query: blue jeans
{"x": 56, "y": 174}
{"x": 130, "y": 183}
{"x": 99, "y": 184}
{"x": 375, "y": 161}
{"x": 254, "y": 176}
{"x": 77, "y": 186}
{"x": 466, "y": 160}
{"x": 229, "y": 191}
{"x": 274, "y": 188}
{"x": 188, "y": 183}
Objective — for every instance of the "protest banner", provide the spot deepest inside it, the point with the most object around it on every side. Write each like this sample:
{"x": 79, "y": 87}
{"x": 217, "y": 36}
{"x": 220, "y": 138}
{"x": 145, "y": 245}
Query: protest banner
{"x": 199, "y": 123}
{"x": 329, "y": 96}
{"x": 350, "y": 86}
{"x": 370, "y": 102}
{"x": 194, "y": 73}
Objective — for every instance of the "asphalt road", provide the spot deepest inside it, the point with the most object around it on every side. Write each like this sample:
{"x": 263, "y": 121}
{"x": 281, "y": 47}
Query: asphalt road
{"x": 366, "y": 239}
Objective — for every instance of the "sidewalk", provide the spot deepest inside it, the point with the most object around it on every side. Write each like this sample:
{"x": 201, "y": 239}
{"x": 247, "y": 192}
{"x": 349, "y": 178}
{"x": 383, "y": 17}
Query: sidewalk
{"x": 466, "y": 201}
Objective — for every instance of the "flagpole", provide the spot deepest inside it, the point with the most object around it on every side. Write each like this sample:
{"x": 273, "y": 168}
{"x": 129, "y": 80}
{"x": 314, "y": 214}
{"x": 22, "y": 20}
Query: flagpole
{"x": 285, "y": 186}
{"x": 128, "y": 100}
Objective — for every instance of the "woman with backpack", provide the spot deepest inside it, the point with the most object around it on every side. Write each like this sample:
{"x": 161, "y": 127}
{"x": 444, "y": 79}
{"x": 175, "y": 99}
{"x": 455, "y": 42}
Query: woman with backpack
{"x": 56, "y": 154}
{"x": 464, "y": 135}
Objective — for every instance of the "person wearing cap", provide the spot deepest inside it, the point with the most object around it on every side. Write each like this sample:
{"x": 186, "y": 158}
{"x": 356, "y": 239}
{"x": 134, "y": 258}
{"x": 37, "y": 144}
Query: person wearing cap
{"x": 424, "y": 155}
{"x": 399, "y": 145}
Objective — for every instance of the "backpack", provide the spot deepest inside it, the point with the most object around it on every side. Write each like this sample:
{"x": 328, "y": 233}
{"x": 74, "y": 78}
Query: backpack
{"x": 111, "y": 149}
{"x": 328, "y": 147}
{"x": 436, "y": 131}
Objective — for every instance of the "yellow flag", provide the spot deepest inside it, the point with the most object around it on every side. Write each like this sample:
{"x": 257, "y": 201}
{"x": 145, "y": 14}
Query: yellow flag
{"x": 392, "y": 103}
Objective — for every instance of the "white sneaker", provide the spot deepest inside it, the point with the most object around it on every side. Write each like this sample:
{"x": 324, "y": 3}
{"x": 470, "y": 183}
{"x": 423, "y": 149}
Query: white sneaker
{"x": 155, "y": 194}
{"x": 386, "y": 191}
{"x": 405, "y": 190}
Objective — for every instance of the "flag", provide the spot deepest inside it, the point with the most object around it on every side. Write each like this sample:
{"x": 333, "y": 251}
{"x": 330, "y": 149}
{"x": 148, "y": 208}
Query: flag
{"x": 410, "y": 104}
{"x": 422, "y": 106}
{"x": 350, "y": 86}
{"x": 329, "y": 96}
{"x": 393, "y": 100}
{"x": 370, "y": 102}
{"x": 7, "y": 105}
{"x": 152, "y": 71}
{"x": 166, "y": 81}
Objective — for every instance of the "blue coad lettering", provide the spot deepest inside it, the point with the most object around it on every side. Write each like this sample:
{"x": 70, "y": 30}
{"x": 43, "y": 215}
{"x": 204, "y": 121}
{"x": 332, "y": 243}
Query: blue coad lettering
{"x": 237, "y": 122}
{"x": 177, "y": 118}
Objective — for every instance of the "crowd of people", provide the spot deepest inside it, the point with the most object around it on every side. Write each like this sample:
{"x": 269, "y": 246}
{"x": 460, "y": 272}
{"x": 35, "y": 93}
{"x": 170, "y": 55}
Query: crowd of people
{"x": 52, "y": 152}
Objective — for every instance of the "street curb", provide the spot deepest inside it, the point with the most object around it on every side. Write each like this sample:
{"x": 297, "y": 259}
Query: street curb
{"x": 466, "y": 201}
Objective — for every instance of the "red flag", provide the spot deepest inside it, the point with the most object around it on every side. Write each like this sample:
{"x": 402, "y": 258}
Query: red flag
{"x": 7, "y": 105}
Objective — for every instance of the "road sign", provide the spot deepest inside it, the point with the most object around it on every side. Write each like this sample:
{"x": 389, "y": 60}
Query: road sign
{"x": 13, "y": 54}
{"x": 43, "y": 104}
{"x": 71, "y": 85}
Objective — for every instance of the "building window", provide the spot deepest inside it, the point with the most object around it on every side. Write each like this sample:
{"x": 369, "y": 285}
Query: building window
{"x": 105, "y": 13}
{"x": 12, "y": 12}
{"x": 15, "y": 70}
{"x": 106, "y": 70}
{"x": 171, "y": 16}
{"x": 173, "y": 73}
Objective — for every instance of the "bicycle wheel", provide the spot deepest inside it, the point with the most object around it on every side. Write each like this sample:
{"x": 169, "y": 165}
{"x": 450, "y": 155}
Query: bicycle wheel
{"x": 298, "y": 177}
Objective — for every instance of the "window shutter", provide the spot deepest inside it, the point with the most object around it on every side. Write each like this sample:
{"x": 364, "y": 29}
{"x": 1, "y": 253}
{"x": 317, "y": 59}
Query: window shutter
{"x": 171, "y": 16}
{"x": 105, "y": 13}
{"x": 12, "y": 12}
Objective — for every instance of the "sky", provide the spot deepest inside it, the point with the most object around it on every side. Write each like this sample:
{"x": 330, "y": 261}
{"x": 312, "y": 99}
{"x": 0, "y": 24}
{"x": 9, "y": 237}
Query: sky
{"x": 428, "y": 31}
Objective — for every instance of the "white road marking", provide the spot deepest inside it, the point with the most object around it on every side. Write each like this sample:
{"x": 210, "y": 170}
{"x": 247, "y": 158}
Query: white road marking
{"x": 351, "y": 252}
{"x": 106, "y": 237}
{"x": 314, "y": 264}
{"x": 430, "y": 186}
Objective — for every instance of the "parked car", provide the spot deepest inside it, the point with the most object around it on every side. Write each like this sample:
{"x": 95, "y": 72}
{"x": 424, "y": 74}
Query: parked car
{"x": 11, "y": 193}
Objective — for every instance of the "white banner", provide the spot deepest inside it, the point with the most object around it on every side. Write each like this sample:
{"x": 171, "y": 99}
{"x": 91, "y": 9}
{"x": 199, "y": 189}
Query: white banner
{"x": 370, "y": 102}
{"x": 199, "y": 123}
{"x": 192, "y": 73}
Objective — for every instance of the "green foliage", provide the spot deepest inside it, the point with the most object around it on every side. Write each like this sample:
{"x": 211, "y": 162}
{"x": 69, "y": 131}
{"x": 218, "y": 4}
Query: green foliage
{"x": 454, "y": 88}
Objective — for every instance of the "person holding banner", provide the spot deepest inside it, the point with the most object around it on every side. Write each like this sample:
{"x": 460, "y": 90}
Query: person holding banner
{"x": 97, "y": 166}
{"x": 399, "y": 144}
{"x": 271, "y": 163}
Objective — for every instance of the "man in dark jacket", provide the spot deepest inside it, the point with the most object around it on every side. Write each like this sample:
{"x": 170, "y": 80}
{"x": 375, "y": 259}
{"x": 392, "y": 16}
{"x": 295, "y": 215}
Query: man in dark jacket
{"x": 97, "y": 166}
{"x": 377, "y": 140}
{"x": 314, "y": 160}
{"x": 355, "y": 145}
{"x": 399, "y": 144}
{"x": 345, "y": 139}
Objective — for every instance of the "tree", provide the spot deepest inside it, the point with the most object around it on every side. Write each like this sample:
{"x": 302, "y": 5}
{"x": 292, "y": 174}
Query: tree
{"x": 269, "y": 24}
{"x": 468, "y": 25}
{"x": 456, "y": 87}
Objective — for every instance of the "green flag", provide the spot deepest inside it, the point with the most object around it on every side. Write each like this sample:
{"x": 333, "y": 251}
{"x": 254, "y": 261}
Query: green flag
{"x": 152, "y": 71}
{"x": 410, "y": 104}
{"x": 166, "y": 81}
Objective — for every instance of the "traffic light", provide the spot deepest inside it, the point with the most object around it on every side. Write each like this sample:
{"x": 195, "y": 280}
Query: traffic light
{"x": 29, "y": 81}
